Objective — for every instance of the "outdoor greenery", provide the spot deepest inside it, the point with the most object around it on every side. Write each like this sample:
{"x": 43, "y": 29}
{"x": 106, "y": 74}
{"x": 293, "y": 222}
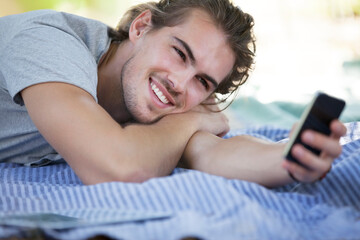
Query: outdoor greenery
{"x": 98, "y": 5}
{"x": 335, "y": 7}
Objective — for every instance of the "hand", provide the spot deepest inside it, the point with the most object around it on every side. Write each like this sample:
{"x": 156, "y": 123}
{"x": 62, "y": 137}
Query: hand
{"x": 212, "y": 119}
{"x": 317, "y": 165}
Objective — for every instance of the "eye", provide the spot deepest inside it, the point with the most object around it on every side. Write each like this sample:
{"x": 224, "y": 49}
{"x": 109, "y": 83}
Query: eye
{"x": 180, "y": 53}
{"x": 203, "y": 82}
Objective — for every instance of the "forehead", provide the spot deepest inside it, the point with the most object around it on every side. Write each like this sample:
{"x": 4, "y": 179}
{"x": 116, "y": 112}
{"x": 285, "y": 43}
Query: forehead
{"x": 208, "y": 43}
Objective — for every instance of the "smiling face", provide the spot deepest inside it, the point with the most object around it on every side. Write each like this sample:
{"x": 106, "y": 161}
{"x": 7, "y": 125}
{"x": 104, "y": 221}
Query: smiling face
{"x": 172, "y": 69}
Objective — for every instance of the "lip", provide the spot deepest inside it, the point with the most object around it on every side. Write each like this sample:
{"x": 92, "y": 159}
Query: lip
{"x": 155, "y": 99}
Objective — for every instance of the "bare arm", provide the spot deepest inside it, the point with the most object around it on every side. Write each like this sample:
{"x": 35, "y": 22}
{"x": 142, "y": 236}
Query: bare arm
{"x": 252, "y": 159}
{"x": 240, "y": 157}
{"x": 99, "y": 149}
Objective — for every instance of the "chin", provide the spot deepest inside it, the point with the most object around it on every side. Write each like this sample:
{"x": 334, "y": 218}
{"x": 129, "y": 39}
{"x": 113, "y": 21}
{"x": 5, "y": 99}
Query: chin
{"x": 145, "y": 114}
{"x": 141, "y": 117}
{"x": 147, "y": 120}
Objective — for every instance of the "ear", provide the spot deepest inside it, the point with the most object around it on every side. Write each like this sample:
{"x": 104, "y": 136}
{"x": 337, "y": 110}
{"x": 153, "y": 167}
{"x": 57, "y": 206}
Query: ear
{"x": 140, "y": 25}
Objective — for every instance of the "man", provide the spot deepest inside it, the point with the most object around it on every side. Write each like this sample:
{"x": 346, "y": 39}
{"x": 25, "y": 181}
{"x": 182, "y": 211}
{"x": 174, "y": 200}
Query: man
{"x": 126, "y": 105}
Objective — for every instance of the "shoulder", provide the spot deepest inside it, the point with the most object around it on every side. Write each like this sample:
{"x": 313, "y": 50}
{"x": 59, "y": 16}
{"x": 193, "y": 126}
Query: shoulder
{"x": 51, "y": 46}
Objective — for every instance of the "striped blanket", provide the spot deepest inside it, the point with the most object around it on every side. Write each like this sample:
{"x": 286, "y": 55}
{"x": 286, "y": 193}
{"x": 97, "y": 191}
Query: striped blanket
{"x": 51, "y": 202}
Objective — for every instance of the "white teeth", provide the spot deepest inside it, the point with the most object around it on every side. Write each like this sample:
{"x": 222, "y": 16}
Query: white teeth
{"x": 159, "y": 94}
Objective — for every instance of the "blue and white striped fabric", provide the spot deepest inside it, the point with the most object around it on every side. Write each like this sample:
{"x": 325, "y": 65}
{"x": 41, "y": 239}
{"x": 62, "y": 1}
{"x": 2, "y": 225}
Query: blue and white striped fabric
{"x": 51, "y": 201}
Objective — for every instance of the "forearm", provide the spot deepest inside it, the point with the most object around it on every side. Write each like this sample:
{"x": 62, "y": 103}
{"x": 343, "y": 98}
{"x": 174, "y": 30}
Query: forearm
{"x": 136, "y": 152}
{"x": 241, "y": 157}
{"x": 96, "y": 147}
{"x": 156, "y": 149}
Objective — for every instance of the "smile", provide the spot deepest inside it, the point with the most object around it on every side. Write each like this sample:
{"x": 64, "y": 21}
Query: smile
{"x": 159, "y": 94}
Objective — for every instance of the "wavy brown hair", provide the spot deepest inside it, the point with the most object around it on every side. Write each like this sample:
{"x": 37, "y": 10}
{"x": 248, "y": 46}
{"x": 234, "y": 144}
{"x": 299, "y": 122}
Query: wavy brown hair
{"x": 236, "y": 25}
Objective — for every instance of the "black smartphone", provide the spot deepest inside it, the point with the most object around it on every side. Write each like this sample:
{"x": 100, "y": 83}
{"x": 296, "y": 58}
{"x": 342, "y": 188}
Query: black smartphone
{"x": 317, "y": 116}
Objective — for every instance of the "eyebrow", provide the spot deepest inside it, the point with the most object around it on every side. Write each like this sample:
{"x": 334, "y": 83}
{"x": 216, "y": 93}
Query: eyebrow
{"x": 193, "y": 61}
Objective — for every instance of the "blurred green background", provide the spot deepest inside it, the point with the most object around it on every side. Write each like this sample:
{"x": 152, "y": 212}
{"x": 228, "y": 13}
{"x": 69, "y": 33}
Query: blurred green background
{"x": 108, "y": 11}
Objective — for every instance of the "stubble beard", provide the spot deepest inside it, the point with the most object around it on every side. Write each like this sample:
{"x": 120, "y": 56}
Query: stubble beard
{"x": 129, "y": 96}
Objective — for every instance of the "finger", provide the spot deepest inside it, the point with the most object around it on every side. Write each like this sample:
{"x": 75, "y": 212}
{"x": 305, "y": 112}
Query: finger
{"x": 214, "y": 108}
{"x": 337, "y": 128}
{"x": 222, "y": 134}
{"x": 310, "y": 160}
{"x": 300, "y": 174}
{"x": 329, "y": 145}
{"x": 226, "y": 128}
{"x": 210, "y": 100}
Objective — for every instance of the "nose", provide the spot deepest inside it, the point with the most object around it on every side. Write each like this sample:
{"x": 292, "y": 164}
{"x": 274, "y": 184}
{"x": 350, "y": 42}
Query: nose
{"x": 180, "y": 80}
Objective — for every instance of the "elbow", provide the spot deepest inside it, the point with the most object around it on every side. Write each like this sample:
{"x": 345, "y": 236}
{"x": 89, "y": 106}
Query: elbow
{"x": 135, "y": 175}
{"x": 119, "y": 174}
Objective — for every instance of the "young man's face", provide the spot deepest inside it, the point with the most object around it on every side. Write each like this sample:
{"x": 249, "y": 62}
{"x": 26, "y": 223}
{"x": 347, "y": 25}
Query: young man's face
{"x": 173, "y": 69}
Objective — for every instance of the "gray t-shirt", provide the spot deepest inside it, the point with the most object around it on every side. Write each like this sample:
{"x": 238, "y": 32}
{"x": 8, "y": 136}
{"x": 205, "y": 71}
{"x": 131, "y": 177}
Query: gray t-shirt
{"x": 37, "y": 47}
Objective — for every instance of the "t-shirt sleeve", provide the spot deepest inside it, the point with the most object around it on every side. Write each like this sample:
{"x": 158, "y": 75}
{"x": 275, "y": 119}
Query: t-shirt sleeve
{"x": 44, "y": 53}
